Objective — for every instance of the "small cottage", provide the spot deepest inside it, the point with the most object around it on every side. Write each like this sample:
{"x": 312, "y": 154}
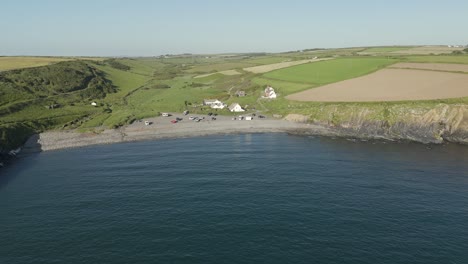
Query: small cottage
{"x": 235, "y": 107}
{"x": 240, "y": 93}
{"x": 269, "y": 93}
{"x": 94, "y": 104}
{"x": 214, "y": 103}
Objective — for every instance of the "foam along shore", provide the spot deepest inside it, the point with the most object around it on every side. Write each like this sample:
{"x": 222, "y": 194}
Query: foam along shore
{"x": 161, "y": 127}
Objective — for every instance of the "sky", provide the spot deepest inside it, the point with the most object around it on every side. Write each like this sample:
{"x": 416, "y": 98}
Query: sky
{"x": 157, "y": 27}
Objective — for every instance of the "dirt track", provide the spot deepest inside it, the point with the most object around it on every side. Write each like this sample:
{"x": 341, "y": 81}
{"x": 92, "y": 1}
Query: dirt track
{"x": 390, "y": 85}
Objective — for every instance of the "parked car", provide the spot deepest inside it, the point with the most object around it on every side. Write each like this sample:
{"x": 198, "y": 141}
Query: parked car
{"x": 261, "y": 116}
{"x": 213, "y": 118}
{"x": 174, "y": 121}
{"x": 147, "y": 123}
{"x": 178, "y": 119}
{"x": 186, "y": 112}
{"x": 165, "y": 114}
{"x": 192, "y": 118}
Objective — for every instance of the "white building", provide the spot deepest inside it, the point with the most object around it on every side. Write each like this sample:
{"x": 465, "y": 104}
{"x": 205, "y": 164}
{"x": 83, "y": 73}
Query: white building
{"x": 269, "y": 93}
{"x": 94, "y": 104}
{"x": 235, "y": 107}
{"x": 214, "y": 103}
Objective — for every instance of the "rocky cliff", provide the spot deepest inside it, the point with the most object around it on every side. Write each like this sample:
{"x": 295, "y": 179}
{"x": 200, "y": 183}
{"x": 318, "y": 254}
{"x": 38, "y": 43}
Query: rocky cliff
{"x": 425, "y": 124}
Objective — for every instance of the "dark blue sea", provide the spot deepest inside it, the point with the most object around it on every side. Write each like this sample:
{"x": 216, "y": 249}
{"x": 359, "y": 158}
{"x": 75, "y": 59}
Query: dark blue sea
{"x": 254, "y": 198}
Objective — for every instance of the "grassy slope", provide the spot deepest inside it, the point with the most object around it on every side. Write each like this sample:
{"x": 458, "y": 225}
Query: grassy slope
{"x": 70, "y": 85}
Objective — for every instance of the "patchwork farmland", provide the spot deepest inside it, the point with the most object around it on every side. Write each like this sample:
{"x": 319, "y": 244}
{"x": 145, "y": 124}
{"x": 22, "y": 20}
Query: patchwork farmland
{"x": 390, "y": 85}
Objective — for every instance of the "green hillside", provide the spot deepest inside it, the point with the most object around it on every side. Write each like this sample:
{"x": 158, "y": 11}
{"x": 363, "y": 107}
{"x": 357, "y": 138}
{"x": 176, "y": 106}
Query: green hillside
{"x": 35, "y": 99}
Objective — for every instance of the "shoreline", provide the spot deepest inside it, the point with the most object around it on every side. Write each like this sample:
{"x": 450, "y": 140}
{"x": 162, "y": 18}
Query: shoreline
{"x": 162, "y": 128}
{"x": 432, "y": 132}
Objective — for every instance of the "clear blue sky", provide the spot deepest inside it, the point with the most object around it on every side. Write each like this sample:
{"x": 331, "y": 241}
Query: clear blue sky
{"x": 147, "y": 28}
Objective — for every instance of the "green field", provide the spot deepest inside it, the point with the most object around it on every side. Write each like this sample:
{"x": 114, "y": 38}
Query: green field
{"x": 325, "y": 72}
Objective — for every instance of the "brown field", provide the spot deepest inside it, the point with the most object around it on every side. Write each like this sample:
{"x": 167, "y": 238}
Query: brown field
{"x": 426, "y": 50}
{"x": 432, "y": 66}
{"x": 277, "y": 66}
{"x": 12, "y": 63}
{"x": 390, "y": 85}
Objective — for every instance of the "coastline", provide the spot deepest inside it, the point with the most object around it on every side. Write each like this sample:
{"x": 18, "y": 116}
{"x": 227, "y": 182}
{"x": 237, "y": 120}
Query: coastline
{"x": 434, "y": 126}
{"x": 161, "y": 128}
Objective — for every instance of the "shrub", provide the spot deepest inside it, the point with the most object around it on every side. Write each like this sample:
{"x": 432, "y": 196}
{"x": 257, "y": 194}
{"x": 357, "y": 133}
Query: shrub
{"x": 117, "y": 65}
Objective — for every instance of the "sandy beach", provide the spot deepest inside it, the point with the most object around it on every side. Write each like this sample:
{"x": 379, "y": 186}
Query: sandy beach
{"x": 160, "y": 128}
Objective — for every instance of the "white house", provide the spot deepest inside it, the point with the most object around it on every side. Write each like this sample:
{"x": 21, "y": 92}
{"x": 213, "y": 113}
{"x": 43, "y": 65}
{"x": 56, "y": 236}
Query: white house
{"x": 94, "y": 104}
{"x": 214, "y": 103}
{"x": 235, "y": 107}
{"x": 269, "y": 93}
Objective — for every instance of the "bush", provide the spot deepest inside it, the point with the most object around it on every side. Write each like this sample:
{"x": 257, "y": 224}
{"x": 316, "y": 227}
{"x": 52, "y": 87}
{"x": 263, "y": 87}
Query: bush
{"x": 160, "y": 86}
{"x": 117, "y": 65}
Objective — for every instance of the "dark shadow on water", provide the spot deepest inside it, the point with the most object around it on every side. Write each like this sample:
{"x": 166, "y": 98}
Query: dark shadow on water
{"x": 13, "y": 165}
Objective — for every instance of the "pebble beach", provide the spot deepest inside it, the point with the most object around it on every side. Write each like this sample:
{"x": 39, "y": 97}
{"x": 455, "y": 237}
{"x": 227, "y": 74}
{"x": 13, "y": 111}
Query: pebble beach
{"x": 162, "y": 127}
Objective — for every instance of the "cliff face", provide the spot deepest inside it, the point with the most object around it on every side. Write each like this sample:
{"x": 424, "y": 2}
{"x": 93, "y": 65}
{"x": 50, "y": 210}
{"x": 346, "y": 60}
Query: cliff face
{"x": 422, "y": 124}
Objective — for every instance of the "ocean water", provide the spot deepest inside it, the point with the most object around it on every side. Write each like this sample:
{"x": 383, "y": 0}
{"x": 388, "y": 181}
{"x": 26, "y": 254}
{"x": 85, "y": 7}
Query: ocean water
{"x": 254, "y": 198}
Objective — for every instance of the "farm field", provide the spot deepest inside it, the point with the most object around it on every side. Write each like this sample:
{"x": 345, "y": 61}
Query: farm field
{"x": 460, "y": 59}
{"x": 217, "y": 67}
{"x": 432, "y": 66}
{"x": 385, "y": 49}
{"x": 227, "y": 72}
{"x": 427, "y": 50}
{"x": 330, "y": 71}
{"x": 281, "y": 65}
{"x": 13, "y": 63}
{"x": 390, "y": 85}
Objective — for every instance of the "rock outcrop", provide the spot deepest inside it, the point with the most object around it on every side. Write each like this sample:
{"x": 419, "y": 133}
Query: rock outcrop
{"x": 443, "y": 123}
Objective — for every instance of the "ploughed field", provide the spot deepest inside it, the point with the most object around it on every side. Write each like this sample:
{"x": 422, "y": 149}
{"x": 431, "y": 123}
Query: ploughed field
{"x": 433, "y": 66}
{"x": 422, "y": 82}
